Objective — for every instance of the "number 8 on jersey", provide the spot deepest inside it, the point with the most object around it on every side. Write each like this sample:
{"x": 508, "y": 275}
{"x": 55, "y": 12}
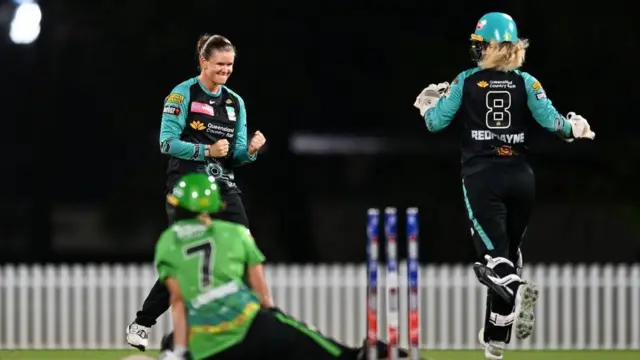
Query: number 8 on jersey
{"x": 498, "y": 104}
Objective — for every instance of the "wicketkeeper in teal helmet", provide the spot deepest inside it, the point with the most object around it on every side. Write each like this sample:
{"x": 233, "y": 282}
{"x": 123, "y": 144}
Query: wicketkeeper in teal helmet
{"x": 497, "y": 103}
{"x": 496, "y": 28}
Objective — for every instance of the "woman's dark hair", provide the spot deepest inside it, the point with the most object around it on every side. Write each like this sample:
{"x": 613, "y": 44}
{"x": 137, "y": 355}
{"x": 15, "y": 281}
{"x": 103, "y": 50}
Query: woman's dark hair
{"x": 207, "y": 44}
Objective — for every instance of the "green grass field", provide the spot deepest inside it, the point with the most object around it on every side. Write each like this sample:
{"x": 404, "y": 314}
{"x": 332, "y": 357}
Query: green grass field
{"x": 428, "y": 355}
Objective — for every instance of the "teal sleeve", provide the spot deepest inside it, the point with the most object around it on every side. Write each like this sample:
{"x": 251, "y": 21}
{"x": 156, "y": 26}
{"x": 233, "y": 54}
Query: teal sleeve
{"x": 441, "y": 115}
{"x": 174, "y": 117}
{"x": 240, "y": 149}
{"x": 542, "y": 109}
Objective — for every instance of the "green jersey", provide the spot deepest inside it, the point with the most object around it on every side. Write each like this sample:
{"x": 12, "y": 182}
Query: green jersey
{"x": 209, "y": 264}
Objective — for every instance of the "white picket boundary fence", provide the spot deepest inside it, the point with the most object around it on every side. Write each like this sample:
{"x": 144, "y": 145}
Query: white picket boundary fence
{"x": 88, "y": 307}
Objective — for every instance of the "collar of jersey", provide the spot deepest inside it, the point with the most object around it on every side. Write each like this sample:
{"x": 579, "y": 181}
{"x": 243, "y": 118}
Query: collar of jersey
{"x": 207, "y": 90}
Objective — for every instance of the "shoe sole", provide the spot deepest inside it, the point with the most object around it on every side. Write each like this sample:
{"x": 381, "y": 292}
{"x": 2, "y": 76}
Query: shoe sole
{"x": 139, "y": 347}
{"x": 525, "y": 318}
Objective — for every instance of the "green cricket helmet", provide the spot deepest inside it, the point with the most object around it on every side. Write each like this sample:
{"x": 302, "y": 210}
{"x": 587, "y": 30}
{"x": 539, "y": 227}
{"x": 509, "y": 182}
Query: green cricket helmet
{"x": 492, "y": 27}
{"x": 196, "y": 192}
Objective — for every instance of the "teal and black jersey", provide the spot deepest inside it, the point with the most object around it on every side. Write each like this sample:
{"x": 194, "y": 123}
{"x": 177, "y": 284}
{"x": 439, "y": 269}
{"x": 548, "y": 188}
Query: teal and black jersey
{"x": 495, "y": 108}
{"x": 194, "y": 117}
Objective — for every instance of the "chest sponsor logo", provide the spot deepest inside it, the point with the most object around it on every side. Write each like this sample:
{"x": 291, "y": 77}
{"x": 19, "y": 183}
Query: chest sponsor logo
{"x": 501, "y": 84}
{"x": 220, "y": 130}
{"x": 202, "y": 108}
{"x": 197, "y": 125}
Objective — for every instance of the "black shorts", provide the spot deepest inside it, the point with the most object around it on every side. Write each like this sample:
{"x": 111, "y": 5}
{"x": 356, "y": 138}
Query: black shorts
{"x": 233, "y": 211}
{"x": 276, "y": 336}
{"x": 499, "y": 202}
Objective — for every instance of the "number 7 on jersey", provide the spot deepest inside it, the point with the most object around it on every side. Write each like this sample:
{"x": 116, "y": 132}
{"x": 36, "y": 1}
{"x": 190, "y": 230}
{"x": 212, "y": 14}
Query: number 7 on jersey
{"x": 204, "y": 251}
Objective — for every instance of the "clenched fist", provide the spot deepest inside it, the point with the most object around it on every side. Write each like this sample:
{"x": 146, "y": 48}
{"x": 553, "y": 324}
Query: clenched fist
{"x": 257, "y": 142}
{"x": 219, "y": 149}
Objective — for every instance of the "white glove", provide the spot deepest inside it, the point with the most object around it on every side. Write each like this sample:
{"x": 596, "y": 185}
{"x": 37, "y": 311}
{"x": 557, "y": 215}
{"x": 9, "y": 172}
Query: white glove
{"x": 430, "y": 96}
{"x": 169, "y": 355}
{"x": 580, "y": 127}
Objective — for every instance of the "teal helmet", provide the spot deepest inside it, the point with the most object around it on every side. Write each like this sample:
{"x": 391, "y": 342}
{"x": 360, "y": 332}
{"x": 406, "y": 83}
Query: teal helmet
{"x": 492, "y": 27}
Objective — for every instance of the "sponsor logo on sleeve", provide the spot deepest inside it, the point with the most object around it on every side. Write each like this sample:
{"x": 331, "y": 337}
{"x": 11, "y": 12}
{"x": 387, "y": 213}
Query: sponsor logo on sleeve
{"x": 171, "y": 110}
{"x": 174, "y": 98}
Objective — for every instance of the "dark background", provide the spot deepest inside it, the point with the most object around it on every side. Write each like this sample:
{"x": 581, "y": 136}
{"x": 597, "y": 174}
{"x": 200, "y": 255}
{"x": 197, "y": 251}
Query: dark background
{"x": 82, "y": 176}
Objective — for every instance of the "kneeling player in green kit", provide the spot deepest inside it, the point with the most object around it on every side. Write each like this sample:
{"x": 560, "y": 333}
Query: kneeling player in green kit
{"x": 215, "y": 315}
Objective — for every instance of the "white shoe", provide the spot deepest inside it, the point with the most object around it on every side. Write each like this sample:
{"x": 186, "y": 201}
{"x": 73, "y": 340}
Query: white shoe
{"x": 138, "y": 336}
{"x": 525, "y": 319}
{"x": 493, "y": 350}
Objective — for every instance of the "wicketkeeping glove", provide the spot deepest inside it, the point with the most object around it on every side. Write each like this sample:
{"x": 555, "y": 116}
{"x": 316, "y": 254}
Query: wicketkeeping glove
{"x": 579, "y": 127}
{"x": 430, "y": 96}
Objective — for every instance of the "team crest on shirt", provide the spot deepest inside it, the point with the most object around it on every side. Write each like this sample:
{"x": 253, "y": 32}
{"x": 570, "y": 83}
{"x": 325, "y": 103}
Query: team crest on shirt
{"x": 231, "y": 112}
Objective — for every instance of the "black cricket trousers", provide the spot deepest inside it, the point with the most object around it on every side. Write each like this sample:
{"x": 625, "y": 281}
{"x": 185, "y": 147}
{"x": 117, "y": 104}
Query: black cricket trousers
{"x": 157, "y": 302}
{"x": 499, "y": 201}
{"x": 274, "y": 335}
